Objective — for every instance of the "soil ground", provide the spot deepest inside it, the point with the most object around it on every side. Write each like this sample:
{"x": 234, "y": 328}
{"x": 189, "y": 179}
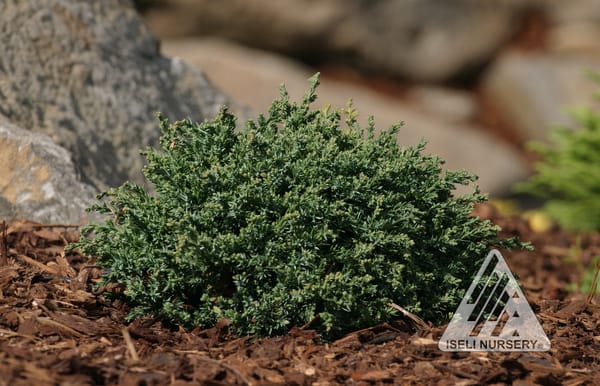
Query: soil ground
{"x": 55, "y": 329}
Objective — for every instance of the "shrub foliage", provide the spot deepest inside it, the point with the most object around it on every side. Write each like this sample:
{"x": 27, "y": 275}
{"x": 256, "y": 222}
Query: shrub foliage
{"x": 296, "y": 219}
{"x": 568, "y": 173}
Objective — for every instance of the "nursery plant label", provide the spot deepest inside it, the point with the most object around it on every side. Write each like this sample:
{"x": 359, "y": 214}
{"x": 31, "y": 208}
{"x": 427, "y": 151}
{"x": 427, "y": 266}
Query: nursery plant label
{"x": 494, "y": 315}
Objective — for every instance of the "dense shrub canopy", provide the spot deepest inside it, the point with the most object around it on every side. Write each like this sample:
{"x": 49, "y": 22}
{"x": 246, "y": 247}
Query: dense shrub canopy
{"x": 296, "y": 219}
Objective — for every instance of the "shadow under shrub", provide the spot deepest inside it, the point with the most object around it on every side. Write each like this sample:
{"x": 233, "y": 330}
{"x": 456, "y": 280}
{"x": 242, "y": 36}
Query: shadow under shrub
{"x": 295, "y": 219}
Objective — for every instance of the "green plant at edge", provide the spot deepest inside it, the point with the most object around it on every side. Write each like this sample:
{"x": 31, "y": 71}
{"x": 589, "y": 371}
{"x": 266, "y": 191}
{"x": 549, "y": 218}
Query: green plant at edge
{"x": 568, "y": 177}
{"x": 294, "y": 220}
{"x": 568, "y": 174}
{"x": 588, "y": 283}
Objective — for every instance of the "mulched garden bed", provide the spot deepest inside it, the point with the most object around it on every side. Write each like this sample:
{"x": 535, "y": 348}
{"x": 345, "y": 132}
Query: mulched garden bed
{"x": 55, "y": 329}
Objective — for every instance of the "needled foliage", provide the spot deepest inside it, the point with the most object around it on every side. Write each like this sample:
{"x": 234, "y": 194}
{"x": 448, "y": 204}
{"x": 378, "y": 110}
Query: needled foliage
{"x": 300, "y": 218}
{"x": 568, "y": 173}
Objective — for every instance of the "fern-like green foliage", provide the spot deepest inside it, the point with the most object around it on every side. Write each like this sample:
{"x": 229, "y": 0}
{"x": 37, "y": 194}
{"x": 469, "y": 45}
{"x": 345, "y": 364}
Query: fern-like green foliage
{"x": 296, "y": 219}
{"x": 568, "y": 174}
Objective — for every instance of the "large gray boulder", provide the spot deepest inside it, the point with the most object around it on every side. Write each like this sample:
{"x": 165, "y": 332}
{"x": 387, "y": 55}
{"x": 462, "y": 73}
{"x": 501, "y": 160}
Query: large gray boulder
{"x": 38, "y": 179}
{"x": 90, "y": 76}
{"x": 429, "y": 40}
{"x": 532, "y": 91}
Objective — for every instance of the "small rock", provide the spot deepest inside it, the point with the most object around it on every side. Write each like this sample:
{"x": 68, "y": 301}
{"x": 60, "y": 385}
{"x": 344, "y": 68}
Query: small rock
{"x": 449, "y": 105}
{"x": 575, "y": 27}
{"x": 38, "y": 180}
{"x": 561, "y": 11}
{"x": 310, "y": 371}
{"x": 576, "y": 38}
{"x": 533, "y": 90}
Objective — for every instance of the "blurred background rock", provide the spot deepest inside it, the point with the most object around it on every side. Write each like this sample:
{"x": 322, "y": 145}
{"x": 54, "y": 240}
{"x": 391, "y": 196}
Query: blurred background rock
{"x": 476, "y": 79}
{"x": 80, "y": 81}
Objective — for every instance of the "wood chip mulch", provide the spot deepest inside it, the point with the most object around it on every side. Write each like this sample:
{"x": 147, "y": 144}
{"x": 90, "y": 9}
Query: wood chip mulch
{"x": 55, "y": 329}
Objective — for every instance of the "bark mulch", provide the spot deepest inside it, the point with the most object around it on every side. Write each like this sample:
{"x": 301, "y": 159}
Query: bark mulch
{"x": 55, "y": 329}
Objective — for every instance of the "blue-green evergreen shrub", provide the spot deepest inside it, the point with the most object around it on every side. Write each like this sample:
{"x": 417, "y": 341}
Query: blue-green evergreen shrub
{"x": 299, "y": 218}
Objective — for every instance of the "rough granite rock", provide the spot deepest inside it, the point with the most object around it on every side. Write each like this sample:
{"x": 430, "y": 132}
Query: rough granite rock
{"x": 90, "y": 76}
{"x": 429, "y": 40}
{"x": 38, "y": 180}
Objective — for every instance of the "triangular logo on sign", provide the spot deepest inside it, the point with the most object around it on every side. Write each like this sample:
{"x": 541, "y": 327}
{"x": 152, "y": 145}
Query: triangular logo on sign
{"x": 494, "y": 314}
